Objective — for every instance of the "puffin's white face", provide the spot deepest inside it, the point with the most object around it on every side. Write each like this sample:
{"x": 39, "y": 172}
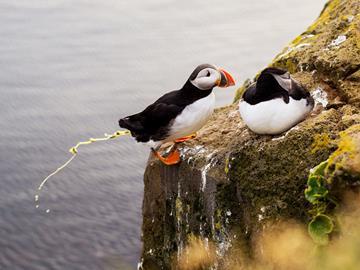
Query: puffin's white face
{"x": 207, "y": 79}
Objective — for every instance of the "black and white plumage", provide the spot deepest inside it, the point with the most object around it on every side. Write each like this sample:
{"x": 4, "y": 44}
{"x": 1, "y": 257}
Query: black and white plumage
{"x": 275, "y": 103}
{"x": 179, "y": 113}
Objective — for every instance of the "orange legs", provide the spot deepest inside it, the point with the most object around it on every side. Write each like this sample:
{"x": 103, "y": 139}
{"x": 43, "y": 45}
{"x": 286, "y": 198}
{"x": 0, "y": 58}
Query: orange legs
{"x": 171, "y": 158}
{"x": 186, "y": 138}
{"x": 173, "y": 155}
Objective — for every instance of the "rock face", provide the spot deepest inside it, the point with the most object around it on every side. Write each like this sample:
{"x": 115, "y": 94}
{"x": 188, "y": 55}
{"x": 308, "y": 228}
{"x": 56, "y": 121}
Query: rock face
{"x": 232, "y": 181}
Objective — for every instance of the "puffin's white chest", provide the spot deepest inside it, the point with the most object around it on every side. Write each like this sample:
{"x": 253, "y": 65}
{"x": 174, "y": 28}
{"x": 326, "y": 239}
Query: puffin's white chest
{"x": 192, "y": 118}
{"x": 274, "y": 116}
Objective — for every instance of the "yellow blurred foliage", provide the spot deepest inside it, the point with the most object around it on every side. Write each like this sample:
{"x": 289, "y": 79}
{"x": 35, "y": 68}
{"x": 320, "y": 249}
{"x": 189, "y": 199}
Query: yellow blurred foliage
{"x": 286, "y": 245}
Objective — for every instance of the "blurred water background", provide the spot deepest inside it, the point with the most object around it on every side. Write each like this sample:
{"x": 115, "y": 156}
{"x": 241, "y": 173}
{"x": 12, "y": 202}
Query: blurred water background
{"x": 68, "y": 71}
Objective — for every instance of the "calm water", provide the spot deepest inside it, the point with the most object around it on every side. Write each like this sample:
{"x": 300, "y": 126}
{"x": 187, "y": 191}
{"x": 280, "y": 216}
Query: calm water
{"x": 68, "y": 71}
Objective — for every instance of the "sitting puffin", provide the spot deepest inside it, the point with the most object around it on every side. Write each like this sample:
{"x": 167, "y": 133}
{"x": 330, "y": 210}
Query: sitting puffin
{"x": 178, "y": 115}
{"x": 275, "y": 103}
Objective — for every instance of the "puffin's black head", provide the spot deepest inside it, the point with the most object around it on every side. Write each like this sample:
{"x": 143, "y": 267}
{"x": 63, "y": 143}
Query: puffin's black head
{"x": 273, "y": 78}
{"x": 206, "y": 77}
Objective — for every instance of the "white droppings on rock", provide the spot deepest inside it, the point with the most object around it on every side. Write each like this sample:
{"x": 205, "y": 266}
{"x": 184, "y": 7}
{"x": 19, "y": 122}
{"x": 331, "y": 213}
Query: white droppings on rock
{"x": 308, "y": 36}
{"x": 204, "y": 171}
{"x": 350, "y": 18}
{"x": 140, "y": 264}
{"x": 290, "y": 49}
{"x": 199, "y": 149}
{"x": 337, "y": 41}
{"x": 260, "y": 217}
{"x": 223, "y": 247}
{"x": 228, "y": 213}
{"x": 296, "y": 127}
{"x": 303, "y": 45}
{"x": 233, "y": 114}
{"x": 206, "y": 168}
{"x": 210, "y": 155}
{"x": 278, "y": 138}
{"x": 320, "y": 96}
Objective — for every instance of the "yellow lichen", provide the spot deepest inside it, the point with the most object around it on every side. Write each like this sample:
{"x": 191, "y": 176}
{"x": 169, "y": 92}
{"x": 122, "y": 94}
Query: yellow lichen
{"x": 320, "y": 142}
{"x": 348, "y": 152}
{"x": 325, "y": 15}
{"x": 178, "y": 207}
{"x": 226, "y": 169}
{"x": 218, "y": 217}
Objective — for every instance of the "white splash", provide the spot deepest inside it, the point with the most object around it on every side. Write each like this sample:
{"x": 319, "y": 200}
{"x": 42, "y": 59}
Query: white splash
{"x": 320, "y": 96}
{"x": 337, "y": 41}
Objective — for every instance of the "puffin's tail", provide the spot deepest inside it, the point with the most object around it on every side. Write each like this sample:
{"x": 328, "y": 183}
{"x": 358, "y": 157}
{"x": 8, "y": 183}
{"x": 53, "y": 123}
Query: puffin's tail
{"x": 128, "y": 123}
{"x": 135, "y": 127}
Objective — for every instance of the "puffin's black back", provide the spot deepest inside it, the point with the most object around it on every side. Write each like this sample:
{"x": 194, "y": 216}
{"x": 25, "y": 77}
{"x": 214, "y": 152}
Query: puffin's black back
{"x": 154, "y": 122}
{"x": 267, "y": 88}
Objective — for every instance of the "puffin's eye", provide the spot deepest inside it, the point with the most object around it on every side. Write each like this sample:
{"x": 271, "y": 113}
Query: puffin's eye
{"x": 207, "y": 73}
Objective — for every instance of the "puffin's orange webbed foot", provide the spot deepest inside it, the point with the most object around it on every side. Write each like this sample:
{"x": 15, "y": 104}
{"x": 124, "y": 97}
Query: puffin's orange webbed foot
{"x": 186, "y": 138}
{"x": 171, "y": 159}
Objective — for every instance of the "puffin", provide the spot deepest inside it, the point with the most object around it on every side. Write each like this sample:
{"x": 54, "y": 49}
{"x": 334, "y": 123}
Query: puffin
{"x": 274, "y": 103}
{"x": 177, "y": 116}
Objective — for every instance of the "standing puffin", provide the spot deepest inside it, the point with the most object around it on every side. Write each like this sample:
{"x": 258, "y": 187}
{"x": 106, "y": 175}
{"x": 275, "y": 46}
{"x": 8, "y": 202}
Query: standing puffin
{"x": 178, "y": 115}
{"x": 275, "y": 103}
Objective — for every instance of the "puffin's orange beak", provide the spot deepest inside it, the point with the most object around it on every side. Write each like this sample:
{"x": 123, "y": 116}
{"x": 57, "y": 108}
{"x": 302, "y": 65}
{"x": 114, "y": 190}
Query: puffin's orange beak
{"x": 226, "y": 79}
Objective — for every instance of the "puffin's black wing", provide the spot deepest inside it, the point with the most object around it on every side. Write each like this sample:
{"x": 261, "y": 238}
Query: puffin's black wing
{"x": 266, "y": 88}
{"x": 275, "y": 83}
{"x": 153, "y": 122}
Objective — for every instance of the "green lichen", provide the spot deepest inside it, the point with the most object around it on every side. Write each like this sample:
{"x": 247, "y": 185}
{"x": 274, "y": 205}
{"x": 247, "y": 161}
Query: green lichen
{"x": 317, "y": 194}
{"x": 319, "y": 229}
{"x": 321, "y": 178}
{"x": 316, "y": 186}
